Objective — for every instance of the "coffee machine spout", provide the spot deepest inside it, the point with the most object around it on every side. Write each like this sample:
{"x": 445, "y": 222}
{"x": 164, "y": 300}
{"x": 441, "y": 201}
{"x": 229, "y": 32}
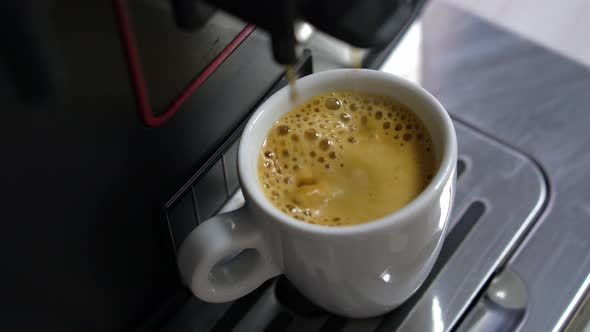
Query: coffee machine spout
{"x": 361, "y": 23}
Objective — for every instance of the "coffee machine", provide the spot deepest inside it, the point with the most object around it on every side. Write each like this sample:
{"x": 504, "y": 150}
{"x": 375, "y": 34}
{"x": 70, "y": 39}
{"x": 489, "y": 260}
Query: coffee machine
{"x": 120, "y": 119}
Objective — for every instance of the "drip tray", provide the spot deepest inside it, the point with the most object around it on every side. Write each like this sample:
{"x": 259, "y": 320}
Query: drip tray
{"x": 499, "y": 194}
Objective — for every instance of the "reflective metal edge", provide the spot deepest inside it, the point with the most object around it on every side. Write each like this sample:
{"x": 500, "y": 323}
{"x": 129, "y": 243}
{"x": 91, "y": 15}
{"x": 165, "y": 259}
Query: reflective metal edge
{"x": 570, "y": 312}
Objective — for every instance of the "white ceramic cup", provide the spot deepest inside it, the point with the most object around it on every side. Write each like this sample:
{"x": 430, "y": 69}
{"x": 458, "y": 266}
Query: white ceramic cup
{"x": 356, "y": 271}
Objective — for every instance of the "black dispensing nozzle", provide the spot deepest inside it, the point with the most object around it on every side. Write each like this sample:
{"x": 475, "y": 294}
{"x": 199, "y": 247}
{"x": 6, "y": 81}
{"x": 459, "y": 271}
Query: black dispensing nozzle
{"x": 283, "y": 32}
{"x": 283, "y": 49}
{"x": 363, "y": 23}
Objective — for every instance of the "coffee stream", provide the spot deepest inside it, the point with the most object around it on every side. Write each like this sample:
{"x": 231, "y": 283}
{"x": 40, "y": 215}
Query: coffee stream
{"x": 291, "y": 80}
{"x": 344, "y": 158}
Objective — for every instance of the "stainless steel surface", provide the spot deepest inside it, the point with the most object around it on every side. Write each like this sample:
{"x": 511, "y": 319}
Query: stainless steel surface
{"x": 513, "y": 191}
{"x": 577, "y": 311}
{"x": 536, "y": 101}
{"x": 489, "y": 168}
{"x": 580, "y": 321}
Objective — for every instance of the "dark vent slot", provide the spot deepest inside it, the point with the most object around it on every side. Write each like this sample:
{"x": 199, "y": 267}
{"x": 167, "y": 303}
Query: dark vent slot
{"x": 450, "y": 244}
{"x": 333, "y": 324}
{"x": 280, "y": 323}
{"x": 239, "y": 309}
{"x": 461, "y": 165}
{"x": 182, "y": 218}
{"x": 459, "y": 233}
{"x": 290, "y": 297}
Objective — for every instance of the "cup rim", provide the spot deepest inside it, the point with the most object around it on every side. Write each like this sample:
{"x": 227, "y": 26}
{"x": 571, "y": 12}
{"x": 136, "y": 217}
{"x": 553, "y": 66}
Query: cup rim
{"x": 254, "y": 194}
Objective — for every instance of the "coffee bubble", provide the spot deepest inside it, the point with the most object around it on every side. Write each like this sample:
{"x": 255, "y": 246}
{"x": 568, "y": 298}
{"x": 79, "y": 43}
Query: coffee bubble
{"x": 326, "y": 144}
{"x": 311, "y": 134}
{"x": 283, "y": 129}
{"x": 333, "y": 104}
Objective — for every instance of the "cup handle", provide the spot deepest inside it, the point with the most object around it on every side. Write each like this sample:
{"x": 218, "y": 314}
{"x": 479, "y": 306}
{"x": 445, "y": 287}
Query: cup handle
{"x": 225, "y": 257}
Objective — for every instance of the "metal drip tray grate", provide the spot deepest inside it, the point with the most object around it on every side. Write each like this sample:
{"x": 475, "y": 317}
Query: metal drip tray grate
{"x": 499, "y": 194}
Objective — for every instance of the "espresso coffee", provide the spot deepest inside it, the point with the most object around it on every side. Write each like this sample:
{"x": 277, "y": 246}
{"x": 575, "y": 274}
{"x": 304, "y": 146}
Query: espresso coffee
{"x": 344, "y": 158}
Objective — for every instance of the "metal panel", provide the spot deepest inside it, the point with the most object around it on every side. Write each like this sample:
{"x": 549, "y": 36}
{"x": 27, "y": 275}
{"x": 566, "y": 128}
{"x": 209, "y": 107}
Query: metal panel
{"x": 537, "y": 101}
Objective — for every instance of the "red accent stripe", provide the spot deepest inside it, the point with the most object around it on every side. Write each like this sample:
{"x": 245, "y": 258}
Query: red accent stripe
{"x": 139, "y": 87}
